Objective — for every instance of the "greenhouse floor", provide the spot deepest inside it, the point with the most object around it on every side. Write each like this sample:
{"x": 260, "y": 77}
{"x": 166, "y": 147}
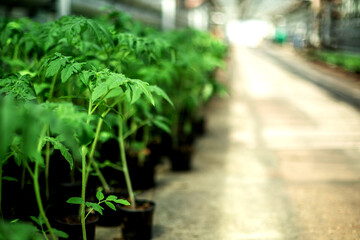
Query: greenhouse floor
{"x": 280, "y": 159}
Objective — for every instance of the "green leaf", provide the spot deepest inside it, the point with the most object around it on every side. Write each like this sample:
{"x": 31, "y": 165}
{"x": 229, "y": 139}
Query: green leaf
{"x": 37, "y": 220}
{"x": 106, "y": 34}
{"x": 115, "y": 93}
{"x": 99, "y": 195}
{"x": 99, "y": 91}
{"x": 15, "y": 220}
{"x": 64, "y": 151}
{"x": 136, "y": 93}
{"x": 19, "y": 87}
{"x": 94, "y": 27}
{"x": 84, "y": 77}
{"x": 161, "y": 93}
{"x": 95, "y": 206}
{"x": 143, "y": 86}
{"x": 69, "y": 70}
{"x": 60, "y": 233}
{"x": 111, "y": 198}
{"x": 110, "y": 205}
{"x": 11, "y": 179}
{"x": 122, "y": 201}
{"x": 40, "y": 87}
{"x": 54, "y": 66}
{"x": 100, "y": 31}
{"x": 75, "y": 200}
{"x": 160, "y": 124}
{"x": 116, "y": 80}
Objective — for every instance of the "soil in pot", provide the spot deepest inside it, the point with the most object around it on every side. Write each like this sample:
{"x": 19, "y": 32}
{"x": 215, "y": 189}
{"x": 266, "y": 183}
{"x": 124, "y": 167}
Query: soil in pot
{"x": 72, "y": 226}
{"x": 181, "y": 158}
{"x": 137, "y": 223}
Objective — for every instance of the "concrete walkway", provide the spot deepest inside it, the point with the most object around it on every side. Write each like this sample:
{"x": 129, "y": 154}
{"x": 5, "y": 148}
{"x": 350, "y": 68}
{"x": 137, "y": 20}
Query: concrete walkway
{"x": 280, "y": 161}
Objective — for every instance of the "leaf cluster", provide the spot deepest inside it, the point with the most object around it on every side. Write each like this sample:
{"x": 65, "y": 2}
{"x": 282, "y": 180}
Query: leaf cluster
{"x": 110, "y": 201}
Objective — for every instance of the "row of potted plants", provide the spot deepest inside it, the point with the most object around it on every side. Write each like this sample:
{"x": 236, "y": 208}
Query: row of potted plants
{"x": 87, "y": 106}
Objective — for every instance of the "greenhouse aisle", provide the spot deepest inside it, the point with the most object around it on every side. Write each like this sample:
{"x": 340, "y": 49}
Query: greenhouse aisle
{"x": 280, "y": 161}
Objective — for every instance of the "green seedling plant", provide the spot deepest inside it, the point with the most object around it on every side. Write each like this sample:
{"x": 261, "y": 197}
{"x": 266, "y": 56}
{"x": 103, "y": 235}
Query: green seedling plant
{"x": 106, "y": 91}
{"x": 110, "y": 201}
{"x": 197, "y": 56}
{"x": 60, "y": 124}
{"x": 75, "y": 71}
{"x": 29, "y": 143}
{"x": 122, "y": 119}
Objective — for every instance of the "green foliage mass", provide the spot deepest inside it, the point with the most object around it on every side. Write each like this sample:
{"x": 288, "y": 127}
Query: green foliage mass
{"x": 61, "y": 80}
{"x": 348, "y": 61}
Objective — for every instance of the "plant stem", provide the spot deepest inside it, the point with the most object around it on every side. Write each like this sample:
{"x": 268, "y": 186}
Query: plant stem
{"x": 35, "y": 177}
{"x": 101, "y": 177}
{"x": 44, "y": 234}
{"x": 16, "y": 52}
{"x": 1, "y": 173}
{"x": 124, "y": 163}
{"x": 93, "y": 147}
{"x": 52, "y": 87}
{"x": 38, "y": 200}
{"x": 47, "y": 167}
{"x": 91, "y": 159}
{"x": 83, "y": 178}
{"x": 83, "y": 189}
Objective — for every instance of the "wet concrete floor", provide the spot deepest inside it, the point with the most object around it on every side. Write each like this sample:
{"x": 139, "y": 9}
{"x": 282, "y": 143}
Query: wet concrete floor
{"x": 280, "y": 161}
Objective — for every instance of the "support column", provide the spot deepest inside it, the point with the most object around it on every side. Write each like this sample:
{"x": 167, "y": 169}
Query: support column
{"x": 168, "y": 11}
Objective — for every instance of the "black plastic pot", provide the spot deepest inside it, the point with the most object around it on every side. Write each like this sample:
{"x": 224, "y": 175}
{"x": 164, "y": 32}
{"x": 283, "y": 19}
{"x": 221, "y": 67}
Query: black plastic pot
{"x": 74, "y": 230}
{"x": 137, "y": 223}
{"x": 199, "y": 126}
{"x": 181, "y": 158}
{"x": 142, "y": 175}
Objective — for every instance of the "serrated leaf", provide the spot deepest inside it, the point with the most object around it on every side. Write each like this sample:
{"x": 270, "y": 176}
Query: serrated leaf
{"x": 115, "y": 93}
{"x": 161, "y": 93}
{"x": 99, "y": 91}
{"x": 64, "y": 150}
{"x": 69, "y": 70}
{"x": 75, "y": 200}
{"x": 122, "y": 201}
{"x": 143, "y": 86}
{"x": 163, "y": 126}
{"x": 111, "y": 198}
{"x": 54, "y": 66}
{"x": 85, "y": 76}
{"x": 99, "y": 31}
{"x": 40, "y": 87}
{"x": 116, "y": 80}
{"x": 59, "y": 233}
{"x": 11, "y": 179}
{"x": 94, "y": 27}
{"x": 37, "y": 220}
{"x": 110, "y": 205}
{"x": 107, "y": 35}
{"x": 15, "y": 220}
{"x": 99, "y": 195}
{"x": 95, "y": 206}
{"x": 19, "y": 87}
{"x": 135, "y": 93}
